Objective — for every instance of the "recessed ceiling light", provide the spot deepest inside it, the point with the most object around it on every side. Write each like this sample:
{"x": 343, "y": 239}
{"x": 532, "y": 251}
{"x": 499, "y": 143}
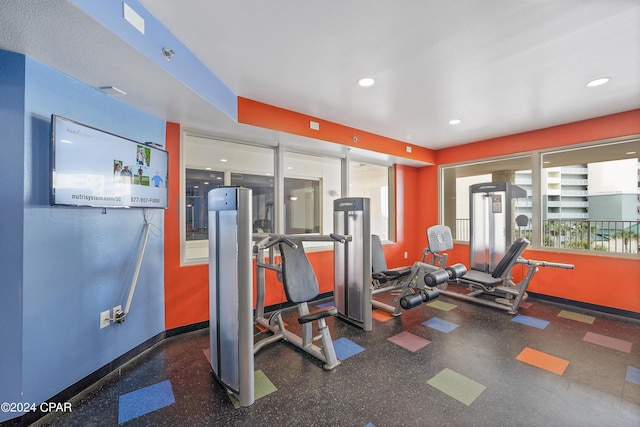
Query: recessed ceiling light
{"x": 455, "y": 121}
{"x": 289, "y": 167}
{"x": 598, "y": 82}
{"x": 366, "y": 82}
{"x": 628, "y": 153}
{"x": 218, "y": 177}
{"x": 206, "y": 183}
{"x": 223, "y": 160}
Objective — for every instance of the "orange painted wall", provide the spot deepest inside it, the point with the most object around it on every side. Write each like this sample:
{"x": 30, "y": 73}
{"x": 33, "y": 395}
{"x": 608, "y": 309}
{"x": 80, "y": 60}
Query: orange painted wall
{"x": 615, "y": 125}
{"x": 186, "y": 289}
{"x": 600, "y": 280}
{"x": 269, "y": 117}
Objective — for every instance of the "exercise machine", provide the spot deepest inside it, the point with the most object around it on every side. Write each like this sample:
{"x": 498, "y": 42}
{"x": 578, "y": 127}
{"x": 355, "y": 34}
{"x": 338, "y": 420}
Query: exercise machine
{"x": 352, "y": 261}
{"x": 413, "y": 284}
{"x": 502, "y": 292}
{"x": 300, "y": 287}
{"x": 360, "y": 269}
{"x": 491, "y": 216}
{"x": 231, "y": 291}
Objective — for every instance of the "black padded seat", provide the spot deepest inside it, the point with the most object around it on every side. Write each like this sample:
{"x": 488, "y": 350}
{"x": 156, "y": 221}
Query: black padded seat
{"x": 483, "y": 278}
{"x": 502, "y": 269}
{"x": 299, "y": 280}
{"x": 379, "y": 263}
{"x": 316, "y": 315}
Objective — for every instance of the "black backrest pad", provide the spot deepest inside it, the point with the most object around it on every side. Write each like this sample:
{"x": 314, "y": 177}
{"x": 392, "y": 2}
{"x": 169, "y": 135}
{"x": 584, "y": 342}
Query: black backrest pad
{"x": 378, "y": 261}
{"x": 298, "y": 277}
{"x": 509, "y": 259}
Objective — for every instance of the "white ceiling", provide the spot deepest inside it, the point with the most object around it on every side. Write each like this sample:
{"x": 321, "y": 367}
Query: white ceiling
{"x": 501, "y": 66}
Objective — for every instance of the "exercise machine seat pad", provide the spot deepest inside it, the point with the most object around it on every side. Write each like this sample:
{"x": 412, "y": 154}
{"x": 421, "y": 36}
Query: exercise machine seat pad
{"x": 509, "y": 259}
{"x": 299, "y": 279}
{"x": 439, "y": 238}
{"x": 316, "y": 315}
{"x": 481, "y": 277}
{"x": 379, "y": 263}
{"x": 502, "y": 269}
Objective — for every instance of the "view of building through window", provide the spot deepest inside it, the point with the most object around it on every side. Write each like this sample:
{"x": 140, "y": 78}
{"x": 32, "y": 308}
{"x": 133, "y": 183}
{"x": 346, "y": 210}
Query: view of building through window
{"x": 589, "y": 197}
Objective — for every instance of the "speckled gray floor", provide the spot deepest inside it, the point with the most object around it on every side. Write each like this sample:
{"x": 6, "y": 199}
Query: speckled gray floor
{"x": 386, "y": 385}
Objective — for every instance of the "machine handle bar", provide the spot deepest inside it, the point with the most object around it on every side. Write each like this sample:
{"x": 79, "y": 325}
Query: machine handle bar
{"x": 268, "y": 240}
{"x": 545, "y": 263}
{"x": 340, "y": 238}
{"x": 273, "y": 240}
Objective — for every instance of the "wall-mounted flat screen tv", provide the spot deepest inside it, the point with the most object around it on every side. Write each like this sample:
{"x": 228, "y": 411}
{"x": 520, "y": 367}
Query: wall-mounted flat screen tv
{"x": 91, "y": 167}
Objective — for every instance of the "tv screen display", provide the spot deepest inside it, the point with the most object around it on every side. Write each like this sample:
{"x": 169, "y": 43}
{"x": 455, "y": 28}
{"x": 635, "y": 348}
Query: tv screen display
{"x": 91, "y": 167}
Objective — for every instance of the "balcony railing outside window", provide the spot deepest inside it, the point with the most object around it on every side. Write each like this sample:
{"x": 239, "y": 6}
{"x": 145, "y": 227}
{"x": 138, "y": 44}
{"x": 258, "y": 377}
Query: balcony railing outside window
{"x": 590, "y": 235}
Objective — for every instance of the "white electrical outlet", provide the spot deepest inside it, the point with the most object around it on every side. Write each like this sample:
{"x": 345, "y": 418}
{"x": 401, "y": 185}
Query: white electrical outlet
{"x": 117, "y": 309}
{"x": 105, "y": 319}
{"x": 406, "y": 255}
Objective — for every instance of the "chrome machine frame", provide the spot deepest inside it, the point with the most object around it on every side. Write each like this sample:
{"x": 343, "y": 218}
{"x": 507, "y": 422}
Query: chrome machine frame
{"x": 231, "y": 291}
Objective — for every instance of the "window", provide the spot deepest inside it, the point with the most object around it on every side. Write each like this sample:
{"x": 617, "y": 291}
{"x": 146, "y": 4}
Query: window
{"x": 590, "y": 198}
{"x": 198, "y": 184}
{"x": 301, "y": 206}
{"x": 456, "y": 181}
{"x": 311, "y": 184}
{"x": 210, "y": 163}
{"x": 586, "y": 197}
{"x": 296, "y": 198}
{"x": 372, "y": 181}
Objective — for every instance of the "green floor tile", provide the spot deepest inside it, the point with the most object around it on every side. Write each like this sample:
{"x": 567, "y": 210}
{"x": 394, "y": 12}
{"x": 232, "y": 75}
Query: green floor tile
{"x": 577, "y": 317}
{"x": 457, "y": 386}
{"x": 441, "y": 305}
{"x": 262, "y": 386}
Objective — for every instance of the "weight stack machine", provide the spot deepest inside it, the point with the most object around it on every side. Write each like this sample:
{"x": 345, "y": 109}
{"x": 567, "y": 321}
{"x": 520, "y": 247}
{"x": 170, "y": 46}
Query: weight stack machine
{"x": 231, "y": 290}
{"x": 352, "y": 261}
{"x": 491, "y": 214}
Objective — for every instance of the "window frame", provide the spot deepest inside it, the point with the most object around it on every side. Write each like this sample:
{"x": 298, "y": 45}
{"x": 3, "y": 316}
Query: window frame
{"x": 537, "y": 168}
{"x": 279, "y": 151}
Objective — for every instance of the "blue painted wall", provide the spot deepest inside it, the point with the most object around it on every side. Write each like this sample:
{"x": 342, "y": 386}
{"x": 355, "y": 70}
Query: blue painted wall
{"x": 73, "y": 262}
{"x": 184, "y": 66}
{"x": 12, "y": 67}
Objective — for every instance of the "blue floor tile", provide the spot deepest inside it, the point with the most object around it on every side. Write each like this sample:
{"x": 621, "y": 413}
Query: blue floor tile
{"x": 346, "y": 348}
{"x": 530, "y": 321}
{"x": 325, "y": 305}
{"x": 633, "y": 375}
{"x": 440, "y": 325}
{"x": 145, "y": 400}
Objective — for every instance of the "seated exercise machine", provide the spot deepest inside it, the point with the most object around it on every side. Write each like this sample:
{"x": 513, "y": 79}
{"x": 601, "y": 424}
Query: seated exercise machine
{"x": 491, "y": 212}
{"x": 300, "y": 287}
{"x": 231, "y": 319}
{"x": 360, "y": 269}
{"x": 507, "y": 294}
{"x": 415, "y": 284}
